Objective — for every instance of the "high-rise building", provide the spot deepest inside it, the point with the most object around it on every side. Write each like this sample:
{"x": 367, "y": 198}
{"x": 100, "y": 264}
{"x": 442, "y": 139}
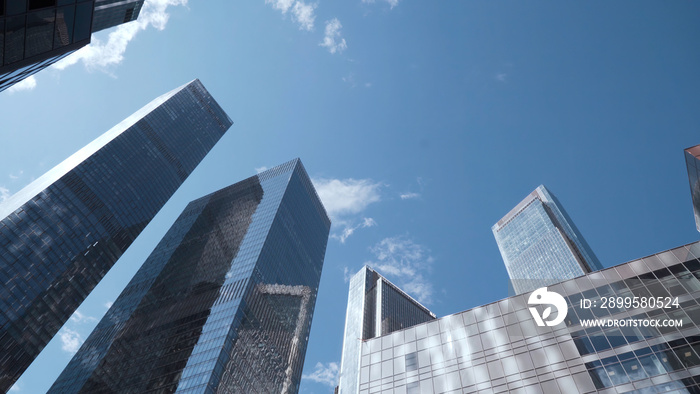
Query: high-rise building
{"x": 648, "y": 339}
{"x": 223, "y": 304}
{"x": 376, "y": 307}
{"x": 110, "y": 13}
{"x": 38, "y": 33}
{"x": 61, "y": 234}
{"x": 692, "y": 162}
{"x": 540, "y": 244}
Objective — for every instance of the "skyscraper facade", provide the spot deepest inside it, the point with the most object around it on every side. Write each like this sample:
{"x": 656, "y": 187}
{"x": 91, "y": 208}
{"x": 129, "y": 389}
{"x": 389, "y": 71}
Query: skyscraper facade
{"x": 376, "y": 307}
{"x": 223, "y": 304}
{"x": 648, "y": 342}
{"x": 110, "y": 13}
{"x": 692, "y": 162}
{"x": 61, "y": 234}
{"x": 540, "y": 244}
{"x": 37, "y": 33}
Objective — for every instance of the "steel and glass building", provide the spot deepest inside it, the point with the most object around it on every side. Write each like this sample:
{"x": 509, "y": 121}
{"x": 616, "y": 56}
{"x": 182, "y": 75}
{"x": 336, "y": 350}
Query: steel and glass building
{"x": 376, "y": 307}
{"x": 500, "y": 347}
{"x": 35, "y": 34}
{"x": 692, "y": 162}
{"x": 540, "y": 244}
{"x": 110, "y": 13}
{"x": 61, "y": 234}
{"x": 223, "y": 304}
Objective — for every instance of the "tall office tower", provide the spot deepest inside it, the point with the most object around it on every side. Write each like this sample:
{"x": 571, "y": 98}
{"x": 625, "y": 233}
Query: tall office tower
{"x": 649, "y": 346}
{"x": 540, "y": 244}
{"x": 223, "y": 304}
{"x": 376, "y": 307}
{"x": 110, "y": 13}
{"x": 61, "y": 234}
{"x": 38, "y": 33}
{"x": 692, "y": 162}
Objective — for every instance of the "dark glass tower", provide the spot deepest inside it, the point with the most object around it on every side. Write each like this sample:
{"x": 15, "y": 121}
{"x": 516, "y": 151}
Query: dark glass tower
{"x": 34, "y": 34}
{"x": 223, "y": 304}
{"x": 376, "y": 307}
{"x": 63, "y": 232}
{"x": 540, "y": 244}
{"x": 110, "y": 13}
{"x": 692, "y": 162}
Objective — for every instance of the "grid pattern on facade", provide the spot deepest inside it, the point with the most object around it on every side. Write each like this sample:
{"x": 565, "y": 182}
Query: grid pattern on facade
{"x": 62, "y": 233}
{"x": 375, "y": 307}
{"x": 223, "y": 304}
{"x": 499, "y": 348}
{"x": 36, "y": 33}
{"x": 692, "y": 162}
{"x": 110, "y": 13}
{"x": 540, "y": 244}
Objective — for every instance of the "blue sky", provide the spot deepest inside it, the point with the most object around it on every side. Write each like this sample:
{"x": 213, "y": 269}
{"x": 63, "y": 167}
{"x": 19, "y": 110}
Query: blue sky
{"x": 422, "y": 124}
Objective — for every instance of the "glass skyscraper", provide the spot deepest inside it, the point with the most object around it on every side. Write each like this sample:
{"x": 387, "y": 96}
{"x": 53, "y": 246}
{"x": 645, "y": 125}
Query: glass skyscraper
{"x": 376, "y": 307}
{"x": 500, "y": 347}
{"x": 35, "y": 34}
{"x": 223, "y": 304}
{"x": 61, "y": 234}
{"x": 540, "y": 244}
{"x": 692, "y": 162}
{"x": 110, "y": 13}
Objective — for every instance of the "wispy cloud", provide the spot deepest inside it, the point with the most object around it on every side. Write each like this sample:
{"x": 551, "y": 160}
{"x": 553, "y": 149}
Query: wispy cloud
{"x": 326, "y": 374}
{"x": 109, "y": 304}
{"x": 346, "y": 196}
{"x": 344, "y": 199}
{"x": 501, "y": 77}
{"x": 70, "y": 340}
{"x": 15, "y": 388}
{"x": 15, "y": 177}
{"x": 28, "y": 83}
{"x": 4, "y": 193}
{"x": 392, "y": 3}
{"x": 260, "y": 169}
{"x": 409, "y": 196}
{"x": 103, "y": 55}
{"x": 302, "y": 13}
{"x": 79, "y": 318}
{"x": 406, "y": 263}
{"x": 349, "y": 230}
{"x": 332, "y": 39}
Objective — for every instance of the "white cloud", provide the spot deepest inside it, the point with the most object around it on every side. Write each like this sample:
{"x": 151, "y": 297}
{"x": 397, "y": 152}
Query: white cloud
{"x": 19, "y": 174}
{"x": 282, "y": 5}
{"x": 101, "y": 55}
{"x": 346, "y": 196}
{"x": 108, "y": 304}
{"x": 28, "y": 83}
{"x": 349, "y": 230}
{"x": 344, "y": 199}
{"x": 260, "y": 169}
{"x": 70, "y": 340}
{"x": 332, "y": 39}
{"x": 326, "y": 374}
{"x": 302, "y": 13}
{"x": 392, "y": 3}
{"x": 405, "y": 262}
{"x": 501, "y": 77}
{"x": 409, "y": 196}
{"x": 79, "y": 318}
{"x": 4, "y": 193}
{"x": 15, "y": 387}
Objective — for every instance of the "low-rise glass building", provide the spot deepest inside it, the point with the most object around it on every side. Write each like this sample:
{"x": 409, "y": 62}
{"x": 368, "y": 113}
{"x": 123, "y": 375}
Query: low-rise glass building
{"x": 632, "y": 328}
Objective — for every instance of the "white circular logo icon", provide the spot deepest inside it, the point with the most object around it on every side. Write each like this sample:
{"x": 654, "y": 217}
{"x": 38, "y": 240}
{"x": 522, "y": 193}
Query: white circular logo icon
{"x": 543, "y": 297}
